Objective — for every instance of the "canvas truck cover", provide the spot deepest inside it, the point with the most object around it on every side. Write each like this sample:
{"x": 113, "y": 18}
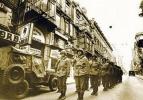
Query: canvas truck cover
{"x": 5, "y": 57}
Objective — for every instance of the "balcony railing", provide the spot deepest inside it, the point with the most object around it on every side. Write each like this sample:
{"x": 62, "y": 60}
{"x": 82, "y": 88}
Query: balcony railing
{"x": 10, "y": 3}
{"x": 40, "y": 7}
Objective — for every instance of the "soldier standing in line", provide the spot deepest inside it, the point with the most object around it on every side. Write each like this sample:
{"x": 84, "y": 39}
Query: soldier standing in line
{"x": 62, "y": 71}
{"x": 94, "y": 74}
{"x": 111, "y": 74}
{"x": 80, "y": 71}
{"x": 89, "y": 57}
{"x": 120, "y": 74}
{"x": 105, "y": 74}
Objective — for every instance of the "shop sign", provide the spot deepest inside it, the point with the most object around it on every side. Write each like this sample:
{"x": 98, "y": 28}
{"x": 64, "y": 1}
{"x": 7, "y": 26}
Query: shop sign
{"x": 38, "y": 35}
{"x": 9, "y": 36}
{"x": 24, "y": 34}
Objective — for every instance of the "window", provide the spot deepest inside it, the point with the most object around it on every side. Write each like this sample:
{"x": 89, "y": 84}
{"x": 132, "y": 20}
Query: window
{"x": 88, "y": 44}
{"x": 52, "y": 9}
{"x": 72, "y": 12}
{"x": 53, "y": 60}
{"x": 58, "y": 20}
{"x": 67, "y": 27}
{"x": 59, "y": 42}
{"x": 77, "y": 14}
{"x": 67, "y": 10}
{"x": 71, "y": 30}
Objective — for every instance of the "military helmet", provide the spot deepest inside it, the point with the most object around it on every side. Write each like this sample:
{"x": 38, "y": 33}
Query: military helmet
{"x": 80, "y": 50}
{"x": 63, "y": 52}
{"x": 104, "y": 59}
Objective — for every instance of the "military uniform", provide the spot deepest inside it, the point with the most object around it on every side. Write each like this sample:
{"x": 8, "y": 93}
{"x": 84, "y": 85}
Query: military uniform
{"x": 94, "y": 76}
{"x": 62, "y": 72}
{"x": 105, "y": 75}
{"x": 80, "y": 72}
{"x": 111, "y": 75}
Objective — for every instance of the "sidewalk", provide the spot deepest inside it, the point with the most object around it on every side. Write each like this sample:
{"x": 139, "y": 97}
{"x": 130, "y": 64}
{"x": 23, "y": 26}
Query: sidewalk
{"x": 139, "y": 76}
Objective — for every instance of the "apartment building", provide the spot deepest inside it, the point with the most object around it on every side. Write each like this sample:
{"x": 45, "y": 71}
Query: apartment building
{"x": 47, "y": 26}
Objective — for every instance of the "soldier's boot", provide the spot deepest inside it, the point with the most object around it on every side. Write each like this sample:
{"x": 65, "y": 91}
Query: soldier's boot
{"x": 62, "y": 96}
{"x": 81, "y": 95}
{"x": 94, "y": 92}
{"x": 78, "y": 95}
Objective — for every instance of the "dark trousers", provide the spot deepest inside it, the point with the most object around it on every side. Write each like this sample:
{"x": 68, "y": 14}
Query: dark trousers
{"x": 62, "y": 84}
{"x": 80, "y": 82}
{"x": 105, "y": 81}
{"x": 86, "y": 82}
{"x": 94, "y": 82}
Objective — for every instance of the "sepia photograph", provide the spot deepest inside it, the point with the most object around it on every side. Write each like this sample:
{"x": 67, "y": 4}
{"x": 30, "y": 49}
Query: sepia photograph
{"x": 71, "y": 49}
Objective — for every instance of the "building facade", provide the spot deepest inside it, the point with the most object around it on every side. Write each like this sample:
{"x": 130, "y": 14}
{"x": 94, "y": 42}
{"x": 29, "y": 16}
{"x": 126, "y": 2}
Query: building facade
{"x": 137, "y": 61}
{"x": 45, "y": 27}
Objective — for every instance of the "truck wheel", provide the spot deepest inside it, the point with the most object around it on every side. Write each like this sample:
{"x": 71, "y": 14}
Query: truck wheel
{"x": 14, "y": 74}
{"x": 53, "y": 84}
{"x": 20, "y": 90}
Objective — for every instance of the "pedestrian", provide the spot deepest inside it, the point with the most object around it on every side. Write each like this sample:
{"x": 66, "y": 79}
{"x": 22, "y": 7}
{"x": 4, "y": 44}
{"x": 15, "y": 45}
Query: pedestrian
{"x": 94, "y": 75}
{"x": 80, "y": 71}
{"x": 62, "y": 71}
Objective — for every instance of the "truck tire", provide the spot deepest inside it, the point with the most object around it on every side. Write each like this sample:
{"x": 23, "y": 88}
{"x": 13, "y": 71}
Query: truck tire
{"x": 14, "y": 74}
{"x": 20, "y": 90}
{"x": 16, "y": 91}
{"x": 53, "y": 84}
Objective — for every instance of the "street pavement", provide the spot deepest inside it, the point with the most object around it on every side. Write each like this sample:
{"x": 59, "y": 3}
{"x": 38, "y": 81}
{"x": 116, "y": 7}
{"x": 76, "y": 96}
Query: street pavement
{"x": 130, "y": 89}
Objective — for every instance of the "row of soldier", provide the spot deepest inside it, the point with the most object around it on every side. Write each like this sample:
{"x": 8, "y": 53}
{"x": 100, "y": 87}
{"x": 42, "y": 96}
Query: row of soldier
{"x": 86, "y": 68}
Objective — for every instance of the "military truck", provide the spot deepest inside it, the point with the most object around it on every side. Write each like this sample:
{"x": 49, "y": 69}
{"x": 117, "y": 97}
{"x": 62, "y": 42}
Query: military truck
{"x": 20, "y": 70}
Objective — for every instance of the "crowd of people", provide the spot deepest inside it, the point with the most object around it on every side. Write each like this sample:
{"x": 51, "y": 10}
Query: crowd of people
{"x": 87, "y": 69}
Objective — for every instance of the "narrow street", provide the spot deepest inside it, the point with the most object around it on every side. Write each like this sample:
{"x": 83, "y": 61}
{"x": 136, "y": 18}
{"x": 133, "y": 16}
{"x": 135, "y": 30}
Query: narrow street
{"x": 130, "y": 89}
{"x": 45, "y": 42}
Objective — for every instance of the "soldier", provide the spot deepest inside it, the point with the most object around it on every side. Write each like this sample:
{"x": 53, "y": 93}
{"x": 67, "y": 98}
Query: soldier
{"x": 120, "y": 74}
{"x": 80, "y": 71}
{"x": 111, "y": 75}
{"x": 89, "y": 57}
{"x": 62, "y": 72}
{"x": 94, "y": 74}
{"x": 105, "y": 74}
{"x": 115, "y": 74}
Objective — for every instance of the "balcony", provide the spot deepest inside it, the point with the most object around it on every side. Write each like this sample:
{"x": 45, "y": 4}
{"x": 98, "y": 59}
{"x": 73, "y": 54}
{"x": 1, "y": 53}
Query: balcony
{"x": 38, "y": 12}
{"x": 12, "y": 4}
